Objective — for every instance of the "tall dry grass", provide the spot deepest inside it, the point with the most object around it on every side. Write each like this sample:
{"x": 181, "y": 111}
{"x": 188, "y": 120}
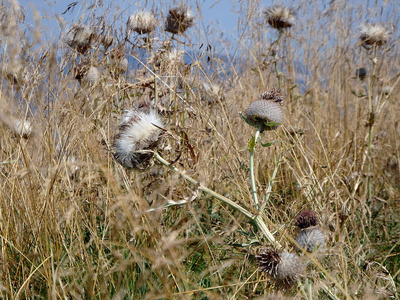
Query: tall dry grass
{"x": 75, "y": 224}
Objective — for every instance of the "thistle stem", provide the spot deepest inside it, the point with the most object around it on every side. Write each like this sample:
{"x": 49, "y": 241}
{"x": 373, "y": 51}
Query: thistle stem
{"x": 371, "y": 121}
{"x": 257, "y": 220}
{"x": 252, "y": 177}
{"x": 278, "y": 74}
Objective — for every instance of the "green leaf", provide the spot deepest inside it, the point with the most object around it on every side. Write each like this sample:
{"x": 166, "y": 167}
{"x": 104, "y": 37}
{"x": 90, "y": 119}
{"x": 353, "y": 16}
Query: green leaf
{"x": 252, "y": 144}
{"x": 268, "y": 144}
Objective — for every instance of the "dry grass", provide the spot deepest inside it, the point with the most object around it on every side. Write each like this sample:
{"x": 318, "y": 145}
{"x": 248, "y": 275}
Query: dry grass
{"x": 75, "y": 224}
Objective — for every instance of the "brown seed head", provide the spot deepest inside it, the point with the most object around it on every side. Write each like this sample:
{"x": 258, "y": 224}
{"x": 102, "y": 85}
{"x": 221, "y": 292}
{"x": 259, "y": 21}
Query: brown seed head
{"x": 280, "y": 17}
{"x": 179, "y": 20}
{"x": 284, "y": 268}
{"x": 373, "y": 35}
{"x": 306, "y": 219}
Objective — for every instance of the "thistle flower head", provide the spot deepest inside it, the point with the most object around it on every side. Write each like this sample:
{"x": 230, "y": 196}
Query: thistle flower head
{"x": 22, "y": 127}
{"x": 280, "y": 17}
{"x": 86, "y": 74}
{"x": 283, "y": 267}
{"x": 311, "y": 239}
{"x": 179, "y": 19}
{"x": 80, "y": 38}
{"x": 373, "y": 35}
{"x": 306, "y": 219}
{"x": 137, "y": 131}
{"x": 361, "y": 73}
{"x": 142, "y": 22}
{"x": 266, "y": 110}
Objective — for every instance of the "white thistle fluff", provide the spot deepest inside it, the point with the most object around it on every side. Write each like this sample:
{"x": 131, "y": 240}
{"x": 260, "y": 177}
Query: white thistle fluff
{"x": 280, "y": 17}
{"x": 22, "y": 127}
{"x": 142, "y": 22}
{"x": 137, "y": 131}
{"x": 374, "y": 34}
{"x": 92, "y": 75}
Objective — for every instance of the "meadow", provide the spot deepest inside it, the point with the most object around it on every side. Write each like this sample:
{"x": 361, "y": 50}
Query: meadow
{"x": 210, "y": 210}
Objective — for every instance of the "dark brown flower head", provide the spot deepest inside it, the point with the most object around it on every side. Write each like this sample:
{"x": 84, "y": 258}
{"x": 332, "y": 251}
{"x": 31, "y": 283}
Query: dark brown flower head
{"x": 283, "y": 267}
{"x": 273, "y": 94}
{"x": 361, "y": 73}
{"x": 179, "y": 20}
{"x": 311, "y": 239}
{"x": 265, "y": 111}
{"x": 373, "y": 35}
{"x": 137, "y": 131}
{"x": 306, "y": 219}
{"x": 268, "y": 260}
{"x": 280, "y": 17}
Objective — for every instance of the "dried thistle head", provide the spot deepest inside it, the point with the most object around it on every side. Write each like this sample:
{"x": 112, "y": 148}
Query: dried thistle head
{"x": 311, "y": 239}
{"x": 306, "y": 219}
{"x": 137, "y": 131}
{"x": 142, "y": 22}
{"x": 20, "y": 127}
{"x": 86, "y": 74}
{"x": 179, "y": 19}
{"x": 283, "y": 267}
{"x": 280, "y": 17}
{"x": 361, "y": 73}
{"x": 80, "y": 38}
{"x": 373, "y": 35}
{"x": 266, "y": 110}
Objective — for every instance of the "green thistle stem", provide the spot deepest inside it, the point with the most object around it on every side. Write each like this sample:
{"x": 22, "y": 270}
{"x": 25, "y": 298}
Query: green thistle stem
{"x": 252, "y": 177}
{"x": 257, "y": 220}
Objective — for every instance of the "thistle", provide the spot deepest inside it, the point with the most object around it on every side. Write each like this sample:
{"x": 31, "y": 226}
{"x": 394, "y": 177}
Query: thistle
{"x": 361, "y": 73}
{"x": 373, "y": 35}
{"x": 266, "y": 112}
{"x": 283, "y": 267}
{"x": 179, "y": 19}
{"x": 137, "y": 131}
{"x": 310, "y": 237}
{"x": 142, "y": 22}
{"x": 306, "y": 219}
{"x": 87, "y": 74}
{"x": 280, "y": 17}
{"x": 80, "y": 38}
{"x": 20, "y": 127}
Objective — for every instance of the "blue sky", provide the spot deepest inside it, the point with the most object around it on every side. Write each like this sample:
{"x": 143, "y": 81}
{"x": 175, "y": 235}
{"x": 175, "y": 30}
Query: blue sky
{"x": 215, "y": 13}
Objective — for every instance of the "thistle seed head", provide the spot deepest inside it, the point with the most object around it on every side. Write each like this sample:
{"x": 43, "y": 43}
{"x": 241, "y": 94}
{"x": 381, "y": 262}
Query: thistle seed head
{"x": 266, "y": 110}
{"x": 284, "y": 268}
{"x": 80, "y": 38}
{"x": 306, "y": 219}
{"x": 280, "y": 17}
{"x": 137, "y": 131}
{"x": 142, "y": 22}
{"x": 373, "y": 35}
{"x": 86, "y": 74}
{"x": 179, "y": 19}
{"x": 361, "y": 73}
{"x": 22, "y": 127}
{"x": 311, "y": 239}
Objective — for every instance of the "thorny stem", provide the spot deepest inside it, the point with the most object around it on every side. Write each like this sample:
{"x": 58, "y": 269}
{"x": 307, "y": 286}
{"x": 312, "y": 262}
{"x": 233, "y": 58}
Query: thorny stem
{"x": 257, "y": 220}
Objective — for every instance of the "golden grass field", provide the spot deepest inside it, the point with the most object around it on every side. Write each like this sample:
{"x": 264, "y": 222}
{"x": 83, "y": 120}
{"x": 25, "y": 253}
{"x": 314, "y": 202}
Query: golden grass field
{"x": 75, "y": 224}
